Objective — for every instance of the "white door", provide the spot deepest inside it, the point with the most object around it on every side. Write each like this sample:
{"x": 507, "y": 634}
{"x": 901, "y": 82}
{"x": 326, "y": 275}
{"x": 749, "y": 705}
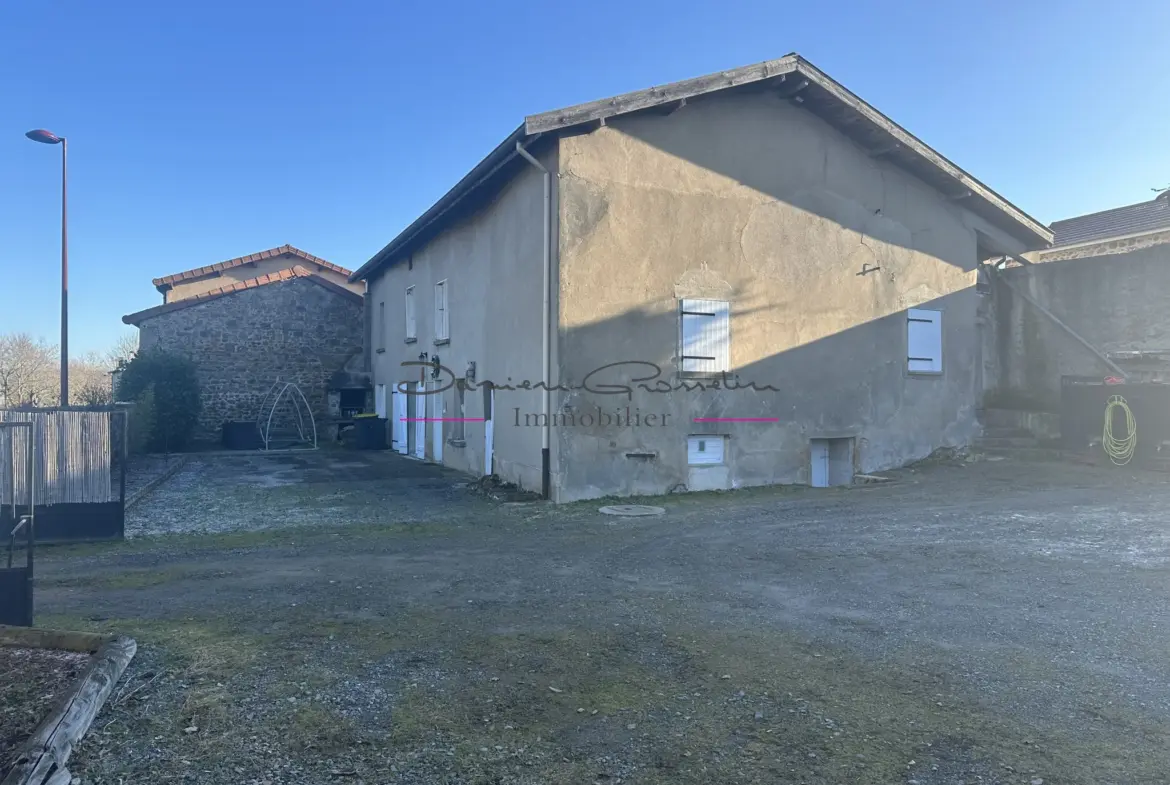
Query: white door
{"x": 489, "y": 429}
{"x": 400, "y": 422}
{"x": 819, "y": 463}
{"x": 420, "y": 421}
{"x": 438, "y": 406}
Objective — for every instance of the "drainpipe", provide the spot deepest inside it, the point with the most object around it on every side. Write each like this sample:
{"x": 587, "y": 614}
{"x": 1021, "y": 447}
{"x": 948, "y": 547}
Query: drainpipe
{"x": 545, "y": 469}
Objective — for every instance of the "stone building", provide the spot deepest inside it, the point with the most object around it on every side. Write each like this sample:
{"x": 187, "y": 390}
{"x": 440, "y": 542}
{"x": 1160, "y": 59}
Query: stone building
{"x": 280, "y": 315}
{"x": 744, "y": 278}
{"x": 1090, "y": 306}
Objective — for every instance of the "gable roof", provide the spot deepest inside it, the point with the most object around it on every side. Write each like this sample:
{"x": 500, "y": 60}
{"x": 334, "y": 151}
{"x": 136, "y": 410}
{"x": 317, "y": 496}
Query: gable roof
{"x": 1120, "y": 221}
{"x": 211, "y": 269}
{"x": 240, "y": 286}
{"x": 790, "y": 77}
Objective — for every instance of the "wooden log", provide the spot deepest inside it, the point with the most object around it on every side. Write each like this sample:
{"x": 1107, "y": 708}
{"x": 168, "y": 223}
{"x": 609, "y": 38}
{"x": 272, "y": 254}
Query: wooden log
{"x": 33, "y": 638}
{"x": 59, "y": 777}
{"x": 48, "y": 749}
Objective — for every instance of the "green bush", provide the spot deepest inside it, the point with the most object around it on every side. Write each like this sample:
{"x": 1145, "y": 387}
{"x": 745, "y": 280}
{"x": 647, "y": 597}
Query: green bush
{"x": 170, "y": 381}
{"x": 142, "y": 419}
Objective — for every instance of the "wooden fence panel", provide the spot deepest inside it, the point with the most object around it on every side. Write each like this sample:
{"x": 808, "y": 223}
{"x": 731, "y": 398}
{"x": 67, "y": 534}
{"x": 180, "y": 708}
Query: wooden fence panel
{"x": 73, "y": 458}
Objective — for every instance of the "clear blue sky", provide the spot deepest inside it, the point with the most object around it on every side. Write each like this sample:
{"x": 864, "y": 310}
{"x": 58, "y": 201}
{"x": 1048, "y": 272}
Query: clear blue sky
{"x": 203, "y": 131}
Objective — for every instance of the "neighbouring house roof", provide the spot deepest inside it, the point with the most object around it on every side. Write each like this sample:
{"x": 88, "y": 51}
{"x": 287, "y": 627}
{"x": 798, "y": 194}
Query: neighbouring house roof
{"x": 241, "y": 286}
{"x": 791, "y": 77}
{"x": 1119, "y": 222}
{"x": 285, "y": 250}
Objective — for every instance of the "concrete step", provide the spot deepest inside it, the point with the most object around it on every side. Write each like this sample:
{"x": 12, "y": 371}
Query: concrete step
{"x": 1006, "y": 433}
{"x": 1006, "y": 442}
{"x": 1032, "y": 454}
{"x": 1045, "y": 424}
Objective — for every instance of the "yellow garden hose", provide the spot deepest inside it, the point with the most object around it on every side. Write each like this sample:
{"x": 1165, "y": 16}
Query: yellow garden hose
{"x": 1120, "y": 451}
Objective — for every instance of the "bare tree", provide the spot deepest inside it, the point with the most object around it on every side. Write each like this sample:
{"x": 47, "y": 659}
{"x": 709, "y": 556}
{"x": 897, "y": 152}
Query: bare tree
{"x": 123, "y": 349}
{"x": 89, "y": 379}
{"x": 28, "y": 371}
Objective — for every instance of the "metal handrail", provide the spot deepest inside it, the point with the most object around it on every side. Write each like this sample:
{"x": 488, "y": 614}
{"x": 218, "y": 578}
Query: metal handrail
{"x": 24, "y": 519}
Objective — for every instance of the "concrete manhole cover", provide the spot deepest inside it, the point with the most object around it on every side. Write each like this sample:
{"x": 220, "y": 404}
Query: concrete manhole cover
{"x": 632, "y": 510}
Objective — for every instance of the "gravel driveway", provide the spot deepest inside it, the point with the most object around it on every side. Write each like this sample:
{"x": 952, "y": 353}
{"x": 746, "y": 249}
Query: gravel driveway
{"x": 253, "y": 491}
{"x": 983, "y": 623}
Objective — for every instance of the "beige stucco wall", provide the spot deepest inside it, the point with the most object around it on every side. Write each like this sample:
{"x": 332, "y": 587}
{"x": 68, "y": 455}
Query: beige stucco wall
{"x": 244, "y": 272}
{"x": 755, "y": 201}
{"x": 492, "y": 262}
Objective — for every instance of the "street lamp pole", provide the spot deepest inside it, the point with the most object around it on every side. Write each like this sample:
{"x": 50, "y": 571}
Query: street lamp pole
{"x": 45, "y": 137}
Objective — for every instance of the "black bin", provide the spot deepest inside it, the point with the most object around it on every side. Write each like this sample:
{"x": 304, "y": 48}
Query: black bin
{"x": 242, "y": 435}
{"x": 370, "y": 433}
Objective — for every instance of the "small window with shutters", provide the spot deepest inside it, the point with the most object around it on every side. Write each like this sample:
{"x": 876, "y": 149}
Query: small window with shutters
{"x": 704, "y": 336}
{"x": 705, "y": 450}
{"x": 924, "y": 341}
{"x": 381, "y": 327}
{"x": 411, "y": 325}
{"x": 442, "y": 323}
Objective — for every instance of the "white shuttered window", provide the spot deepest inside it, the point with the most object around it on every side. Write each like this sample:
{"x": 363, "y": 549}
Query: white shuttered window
{"x": 442, "y": 325}
{"x": 924, "y": 341}
{"x": 411, "y": 326}
{"x": 705, "y": 336}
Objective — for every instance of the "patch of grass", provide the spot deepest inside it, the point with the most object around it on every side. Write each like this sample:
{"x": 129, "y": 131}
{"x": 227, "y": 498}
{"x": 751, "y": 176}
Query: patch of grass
{"x": 887, "y": 716}
{"x": 534, "y": 683}
{"x": 199, "y": 648}
{"x": 696, "y": 497}
{"x": 128, "y": 578}
{"x": 306, "y": 536}
{"x": 315, "y": 727}
{"x": 705, "y": 707}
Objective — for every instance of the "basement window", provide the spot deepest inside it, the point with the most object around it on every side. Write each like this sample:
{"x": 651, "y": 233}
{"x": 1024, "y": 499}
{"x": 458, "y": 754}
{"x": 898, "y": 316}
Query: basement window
{"x": 705, "y": 450}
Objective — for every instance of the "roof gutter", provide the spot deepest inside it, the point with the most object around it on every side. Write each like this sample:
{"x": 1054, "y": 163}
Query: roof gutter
{"x": 498, "y": 158}
{"x": 546, "y": 318}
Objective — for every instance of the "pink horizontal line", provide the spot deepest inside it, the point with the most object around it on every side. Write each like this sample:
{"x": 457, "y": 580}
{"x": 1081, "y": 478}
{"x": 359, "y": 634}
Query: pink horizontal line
{"x": 737, "y": 419}
{"x": 441, "y": 419}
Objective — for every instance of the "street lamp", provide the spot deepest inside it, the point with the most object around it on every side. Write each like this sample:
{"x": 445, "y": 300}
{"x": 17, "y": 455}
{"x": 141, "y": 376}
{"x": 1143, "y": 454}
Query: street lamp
{"x": 46, "y": 137}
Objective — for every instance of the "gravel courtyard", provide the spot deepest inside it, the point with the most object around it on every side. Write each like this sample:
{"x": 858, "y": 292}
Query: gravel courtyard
{"x": 251, "y": 491}
{"x": 978, "y": 623}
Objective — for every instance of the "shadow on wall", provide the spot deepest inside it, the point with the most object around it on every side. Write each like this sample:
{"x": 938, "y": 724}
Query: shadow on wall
{"x": 819, "y": 249}
{"x": 1115, "y": 302}
{"x": 804, "y": 164}
{"x": 853, "y": 384}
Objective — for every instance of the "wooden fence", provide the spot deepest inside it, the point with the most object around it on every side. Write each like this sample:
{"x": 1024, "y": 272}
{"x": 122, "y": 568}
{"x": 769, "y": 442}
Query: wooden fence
{"x": 73, "y": 458}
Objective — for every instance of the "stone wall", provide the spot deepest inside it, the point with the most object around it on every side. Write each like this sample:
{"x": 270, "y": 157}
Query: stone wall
{"x": 296, "y": 330}
{"x": 1115, "y": 301}
{"x": 1119, "y": 245}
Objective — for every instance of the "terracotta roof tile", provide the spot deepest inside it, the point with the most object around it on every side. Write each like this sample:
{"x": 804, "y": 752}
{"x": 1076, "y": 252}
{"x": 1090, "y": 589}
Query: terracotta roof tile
{"x": 210, "y": 269}
{"x": 239, "y": 286}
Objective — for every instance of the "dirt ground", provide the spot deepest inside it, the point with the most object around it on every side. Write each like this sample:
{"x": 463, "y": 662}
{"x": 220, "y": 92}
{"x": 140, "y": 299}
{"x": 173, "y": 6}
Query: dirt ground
{"x": 977, "y": 623}
{"x": 31, "y": 682}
